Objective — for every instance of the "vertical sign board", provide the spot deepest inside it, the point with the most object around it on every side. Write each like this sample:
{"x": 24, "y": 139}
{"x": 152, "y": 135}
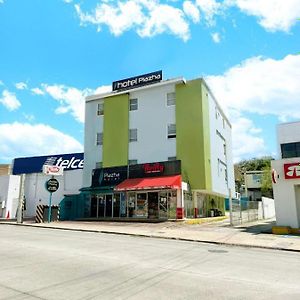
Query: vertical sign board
{"x": 52, "y": 186}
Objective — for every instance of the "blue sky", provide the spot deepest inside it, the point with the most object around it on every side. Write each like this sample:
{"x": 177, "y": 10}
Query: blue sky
{"x": 54, "y": 53}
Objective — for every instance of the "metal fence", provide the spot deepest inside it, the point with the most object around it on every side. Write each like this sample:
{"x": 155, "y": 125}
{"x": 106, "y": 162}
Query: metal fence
{"x": 243, "y": 211}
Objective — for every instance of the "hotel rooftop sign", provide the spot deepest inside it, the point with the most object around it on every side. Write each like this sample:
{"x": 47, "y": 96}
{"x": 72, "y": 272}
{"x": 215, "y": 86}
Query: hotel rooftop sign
{"x": 134, "y": 82}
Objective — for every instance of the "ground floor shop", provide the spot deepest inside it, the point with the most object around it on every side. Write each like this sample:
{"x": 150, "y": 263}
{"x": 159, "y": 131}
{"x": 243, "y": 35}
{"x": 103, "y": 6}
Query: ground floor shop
{"x": 153, "y": 204}
{"x": 152, "y": 191}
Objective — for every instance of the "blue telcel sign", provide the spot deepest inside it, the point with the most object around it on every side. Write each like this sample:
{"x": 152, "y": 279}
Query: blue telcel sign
{"x": 26, "y": 165}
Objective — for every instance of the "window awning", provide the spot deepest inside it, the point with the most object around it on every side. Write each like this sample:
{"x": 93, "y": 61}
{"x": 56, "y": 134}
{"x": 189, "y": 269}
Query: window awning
{"x": 150, "y": 183}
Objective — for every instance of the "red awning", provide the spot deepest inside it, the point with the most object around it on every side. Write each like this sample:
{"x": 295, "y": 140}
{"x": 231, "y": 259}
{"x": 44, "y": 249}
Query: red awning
{"x": 150, "y": 183}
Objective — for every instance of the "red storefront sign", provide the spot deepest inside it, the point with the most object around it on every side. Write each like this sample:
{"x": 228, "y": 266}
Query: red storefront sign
{"x": 292, "y": 170}
{"x": 153, "y": 168}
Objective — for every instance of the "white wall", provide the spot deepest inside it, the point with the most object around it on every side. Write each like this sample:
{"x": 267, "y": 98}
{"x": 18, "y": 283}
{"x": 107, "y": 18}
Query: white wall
{"x": 217, "y": 122}
{"x": 151, "y": 121}
{"x": 268, "y": 207}
{"x": 92, "y": 152}
{"x": 287, "y": 133}
{"x": 36, "y": 193}
{"x": 286, "y": 209}
{"x": 9, "y": 192}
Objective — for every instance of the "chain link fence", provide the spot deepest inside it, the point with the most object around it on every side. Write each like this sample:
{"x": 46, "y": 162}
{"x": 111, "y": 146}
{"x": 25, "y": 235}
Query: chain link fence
{"x": 242, "y": 211}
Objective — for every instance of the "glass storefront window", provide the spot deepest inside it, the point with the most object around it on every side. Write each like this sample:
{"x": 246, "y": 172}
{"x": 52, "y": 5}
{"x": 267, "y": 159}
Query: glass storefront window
{"x": 123, "y": 207}
{"x": 172, "y": 204}
{"x": 141, "y": 205}
{"x": 163, "y": 205}
{"x": 131, "y": 204}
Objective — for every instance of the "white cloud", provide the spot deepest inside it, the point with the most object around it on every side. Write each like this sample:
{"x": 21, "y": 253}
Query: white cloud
{"x": 261, "y": 85}
{"x": 102, "y": 89}
{"x": 210, "y": 8}
{"x": 1, "y": 82}
{"x": 9, "y": 100}
{"x": 191, "y": 10}
{"x": 147, "y": 18}
{"x": 216, "y": 37}
{"x": 37, "y": 91}
{"x": 273, "y": 15}
{"x": 71, "y": 99}
{"x": 30, "y": 140}
{"x": 247, "y": 143}
{"x": 165, "y": 18}
{"x": 21, "y": 85}
{"x": 118, "y": 18}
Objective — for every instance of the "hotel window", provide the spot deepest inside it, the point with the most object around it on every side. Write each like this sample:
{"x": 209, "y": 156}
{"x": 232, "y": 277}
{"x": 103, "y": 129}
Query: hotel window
{"x": 171, "y": 131}
{"x": 99, "y": 165}
{"x": 99, "y": 138}
{"x": 132, "y": 162}
{"x": 100, "y": 108}
{"x": 132, "y": 135}
{"x": 171, "y": 99}
{"x": 133, "y": 104}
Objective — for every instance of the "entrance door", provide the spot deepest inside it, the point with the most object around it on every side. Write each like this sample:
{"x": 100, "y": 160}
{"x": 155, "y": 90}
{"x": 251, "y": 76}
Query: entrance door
{"x": 93, "y": 206}
{"x": 116, "y": 205}
{"x": 108, "y": 211}
{"x": 101, "y": 206}
{"x": 152, "y": 205}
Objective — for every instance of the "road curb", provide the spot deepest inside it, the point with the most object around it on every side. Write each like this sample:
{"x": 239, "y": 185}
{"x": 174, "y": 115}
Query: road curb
{"x": 156, "y": 236}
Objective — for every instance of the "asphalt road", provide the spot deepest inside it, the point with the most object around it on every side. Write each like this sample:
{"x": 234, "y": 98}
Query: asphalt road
{"x": 37, "y": 263}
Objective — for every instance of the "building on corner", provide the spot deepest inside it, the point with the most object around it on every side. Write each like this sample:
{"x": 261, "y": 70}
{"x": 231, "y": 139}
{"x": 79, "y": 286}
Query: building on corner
{"x": 286, "y": 175}
{"x": 156, "y": 149}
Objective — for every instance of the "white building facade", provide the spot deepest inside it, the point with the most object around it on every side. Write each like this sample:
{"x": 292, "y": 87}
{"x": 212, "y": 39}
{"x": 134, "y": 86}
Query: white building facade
{"x": 286, "y": 175}
{"x": 173, "y": 127}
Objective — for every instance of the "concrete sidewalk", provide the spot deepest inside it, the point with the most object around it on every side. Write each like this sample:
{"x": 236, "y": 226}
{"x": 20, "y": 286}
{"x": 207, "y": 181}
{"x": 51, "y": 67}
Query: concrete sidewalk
{"x": 256, "y": 234}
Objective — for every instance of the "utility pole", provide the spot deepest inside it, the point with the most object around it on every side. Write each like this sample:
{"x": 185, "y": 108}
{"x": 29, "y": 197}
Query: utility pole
{"x": 20, "y": 202}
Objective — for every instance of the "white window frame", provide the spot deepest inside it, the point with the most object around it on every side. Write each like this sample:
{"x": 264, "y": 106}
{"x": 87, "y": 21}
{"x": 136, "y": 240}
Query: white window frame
{"x": 171, "y": 99}
{"x": 171, "y": 131}
{"x": 99, "y": 138}
{"x": 133, "y": 104}
{"x": 100, "y": 108}
{"x": 133, "y": 135}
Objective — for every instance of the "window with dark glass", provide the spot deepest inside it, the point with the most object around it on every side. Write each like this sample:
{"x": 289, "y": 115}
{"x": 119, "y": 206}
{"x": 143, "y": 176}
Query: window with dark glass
{"x": 132, "y": 135}
{"x": 171, "y": 131}
{"x": 133, "y": 104}
{"x": 289, "y": 150}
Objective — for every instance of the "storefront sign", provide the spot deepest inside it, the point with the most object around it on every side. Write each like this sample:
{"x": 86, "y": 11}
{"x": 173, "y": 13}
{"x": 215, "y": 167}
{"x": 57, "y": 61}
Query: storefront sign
{"x": 157, "y": 168}
{"x": 109, "y": 176}
{"x": 165, "y": 168}
{"x": 35, "y": 164}
{"x": 133, "y": 82}
{"x": 292, "y": 170}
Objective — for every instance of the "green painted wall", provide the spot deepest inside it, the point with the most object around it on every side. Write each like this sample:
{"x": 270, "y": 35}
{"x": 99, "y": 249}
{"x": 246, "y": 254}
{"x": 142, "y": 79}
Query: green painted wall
{"x": 192, "y": 133}
{"x": 116, "y": 131}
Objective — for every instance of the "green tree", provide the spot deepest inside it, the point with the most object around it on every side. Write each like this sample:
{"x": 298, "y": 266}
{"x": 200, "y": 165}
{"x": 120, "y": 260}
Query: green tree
{"x": 254, "y": 164}
{"x": 266, "y": 182}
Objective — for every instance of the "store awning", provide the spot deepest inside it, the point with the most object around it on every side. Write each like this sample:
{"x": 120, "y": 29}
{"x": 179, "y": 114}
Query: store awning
{"x": 150, "y": 183}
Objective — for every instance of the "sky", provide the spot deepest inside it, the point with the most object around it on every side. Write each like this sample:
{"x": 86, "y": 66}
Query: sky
{"x": 54, "y": 53}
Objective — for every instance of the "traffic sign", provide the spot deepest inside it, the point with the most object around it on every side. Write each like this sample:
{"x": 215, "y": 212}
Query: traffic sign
{"x": 52, "y": 185}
